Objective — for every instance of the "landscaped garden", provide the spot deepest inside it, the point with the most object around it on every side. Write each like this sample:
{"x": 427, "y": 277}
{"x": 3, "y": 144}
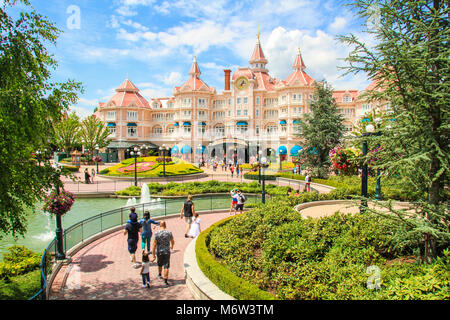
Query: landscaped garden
{"x": 150, "y": 167}
{"x": 274, "y": 252}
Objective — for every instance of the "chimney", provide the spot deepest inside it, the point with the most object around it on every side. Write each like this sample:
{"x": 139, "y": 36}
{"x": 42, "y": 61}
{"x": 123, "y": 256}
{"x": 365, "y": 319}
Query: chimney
{"x": 227, "y": 79}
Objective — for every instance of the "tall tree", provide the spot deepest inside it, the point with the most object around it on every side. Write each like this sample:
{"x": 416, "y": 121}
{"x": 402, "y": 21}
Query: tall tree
{"x": 321, "y": 130}
{"x": 94, "y": 134}
{"x": 410, "y": 63}
{"x": 67, "y": 132}
{"x": 29, "y": 104}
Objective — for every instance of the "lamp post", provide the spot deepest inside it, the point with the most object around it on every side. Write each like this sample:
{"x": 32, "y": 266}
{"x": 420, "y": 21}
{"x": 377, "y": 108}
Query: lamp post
{"x": 60, "y": 255}
{"x": 135, "y": 153}
{"x": 163, "y": 149}
{"x": 264, "y": 164}
{"x": 370, "y": 130}
{"x": 259, "y": 166}
{"x": 97, "y": 150}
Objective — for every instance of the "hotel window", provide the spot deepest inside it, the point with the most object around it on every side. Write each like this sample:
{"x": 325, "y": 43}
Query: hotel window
{"x": 348, "y": 127}
{"x": 187, "y": 102}
{"x": 132, "y": 115}
{"x": 367, "y": 107}
{"x": 347, "y": 98}
{"x": 132, "y": 131}
{"x": 201, "y": 129}
{"x": 112, "y": 131}
{"x": 257, "y": 130}
{"x": 202, "y": 102}
{"x": 220, "y": 131}
{"x": 238, "y": 100}
{"x": 187, "y": 113}
{"x": 238, "y": 112}
{"x": 187, "y": 129}
{"x": 257, "y": 100}
{"x": 229, "y": 113}
{"x": 170, "y": 105}
{"x": 283, "y": 128}
{"x": 271, "y": 129}
{"x": 229, "y": 102}
{"x": 202, "y": 114}
{"x": 171, "y": 130}
{"x": 111, "y": 115}
{"x": 257, "y": 112}
{"x": 157, "y": 131}
{"x": 245, "y": 100}
{"x": 283, "y": 99}
{"x": 245, "y": 112}
{"x": 297, "y": 97}
{"x": 241, "y": 129}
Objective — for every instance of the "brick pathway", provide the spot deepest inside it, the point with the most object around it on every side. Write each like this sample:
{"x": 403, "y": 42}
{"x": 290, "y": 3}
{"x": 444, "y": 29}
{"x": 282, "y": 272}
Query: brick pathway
{"x": 103, "y": 271}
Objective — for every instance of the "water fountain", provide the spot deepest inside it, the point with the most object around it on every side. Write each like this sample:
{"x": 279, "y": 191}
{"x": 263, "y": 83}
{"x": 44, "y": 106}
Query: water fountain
{"x": 131, "y": 202}
{"x": 145, "y": 194}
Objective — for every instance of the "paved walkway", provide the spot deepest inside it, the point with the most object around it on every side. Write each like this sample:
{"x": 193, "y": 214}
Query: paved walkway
{"x": 102, "y": 270}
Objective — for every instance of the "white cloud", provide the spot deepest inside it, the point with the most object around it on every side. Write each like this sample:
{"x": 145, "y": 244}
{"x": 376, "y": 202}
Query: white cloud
{"x": 338, "y": 24}
{"x": 172, "y": 79}
{"x": 82, "y": 112}
{"x": 126, "y": 11}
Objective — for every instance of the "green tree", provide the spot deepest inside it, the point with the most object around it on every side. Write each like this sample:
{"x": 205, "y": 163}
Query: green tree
{"x": 94, "y": 134}
{"x": 410, "y": 63}
{"x": 67, "y": 133}
{"x": 29, "y": 104}
{"x": 321, "y": 130}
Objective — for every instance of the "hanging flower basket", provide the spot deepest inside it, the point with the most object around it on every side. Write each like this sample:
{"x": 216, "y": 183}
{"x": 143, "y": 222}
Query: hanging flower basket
{"x": 97, "y": 159}
{"x": 58, "y": 204}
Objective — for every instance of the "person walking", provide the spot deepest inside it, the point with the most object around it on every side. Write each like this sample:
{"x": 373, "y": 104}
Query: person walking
{"x": 132, "y": 229}
{"x": 232, "y": 170}
{"x": 87, "y": 176}
{"x": 308, "y": 182}
{"x": 237, "y": 170}
{"x": 145, "y": 270}
{"x": 240, "y": 201}
{"x": 146, "y": 234}
{"x": 92, "y": 175}
{"x": 162, "y": 244}
{"x": 187, "y": 211}
{"x": 234, "y": 200}
{"x": 195, "y": 226}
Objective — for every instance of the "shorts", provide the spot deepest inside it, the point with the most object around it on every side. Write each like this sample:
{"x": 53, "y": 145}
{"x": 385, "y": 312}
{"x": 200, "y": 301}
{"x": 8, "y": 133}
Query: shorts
{"x": 163, "y": 260}
{"x": 240, "y": 207}
{"x": 234, "y": 203}
{"x": 188, "y": 219}
{"x": 132, "y": 245}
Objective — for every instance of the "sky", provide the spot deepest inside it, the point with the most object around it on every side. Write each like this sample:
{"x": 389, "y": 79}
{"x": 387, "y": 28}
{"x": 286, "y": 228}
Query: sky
{"x": 154, "y": 42}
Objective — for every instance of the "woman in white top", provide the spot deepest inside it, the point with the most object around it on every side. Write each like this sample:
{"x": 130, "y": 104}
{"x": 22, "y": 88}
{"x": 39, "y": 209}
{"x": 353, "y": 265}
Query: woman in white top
{"x": 195, "y": 226}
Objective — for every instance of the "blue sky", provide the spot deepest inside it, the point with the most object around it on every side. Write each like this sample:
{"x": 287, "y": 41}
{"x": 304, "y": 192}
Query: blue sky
{"x": 155, "y": 41}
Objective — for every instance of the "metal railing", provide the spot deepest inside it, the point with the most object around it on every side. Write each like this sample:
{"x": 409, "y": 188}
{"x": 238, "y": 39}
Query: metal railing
{"x": 85, "y": 229}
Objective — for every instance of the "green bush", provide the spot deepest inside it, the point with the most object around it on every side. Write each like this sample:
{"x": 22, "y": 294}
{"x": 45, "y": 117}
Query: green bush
{"x": 21, "y": 287}
{"x": 18, "y": 260}
{"x": 276, "y": 249}
{"x": 221, "y": 276}
{"x": 104, "y": 171}
{"x": 254, "y": 175}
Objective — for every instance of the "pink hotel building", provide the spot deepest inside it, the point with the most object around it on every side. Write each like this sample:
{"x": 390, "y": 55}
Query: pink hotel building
{"x": 254, "y": 112}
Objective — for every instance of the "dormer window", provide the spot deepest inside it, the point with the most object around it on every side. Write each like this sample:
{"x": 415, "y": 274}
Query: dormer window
{"x": 347, "y": 98}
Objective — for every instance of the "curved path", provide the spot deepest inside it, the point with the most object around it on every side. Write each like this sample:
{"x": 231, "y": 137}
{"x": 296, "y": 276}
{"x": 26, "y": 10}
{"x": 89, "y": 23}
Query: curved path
{"x": 102, "y": 270}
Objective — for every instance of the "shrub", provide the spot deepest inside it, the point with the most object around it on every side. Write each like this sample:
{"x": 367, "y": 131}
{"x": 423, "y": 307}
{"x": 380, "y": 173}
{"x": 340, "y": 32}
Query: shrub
{"x": 17, "y": 261}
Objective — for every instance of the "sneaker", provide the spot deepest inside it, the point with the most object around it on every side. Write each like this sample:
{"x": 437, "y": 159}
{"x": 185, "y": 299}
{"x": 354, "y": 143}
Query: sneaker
{"x": 186, "y": 236}
{"x": 160, "y": 276}
{"x": 136, "y": 265}
{"x": 144, "y": 285}
{"x": 166, "y": 284}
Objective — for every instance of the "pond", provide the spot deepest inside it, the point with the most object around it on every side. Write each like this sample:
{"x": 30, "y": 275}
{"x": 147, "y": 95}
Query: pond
{"x": 41, "y": 226}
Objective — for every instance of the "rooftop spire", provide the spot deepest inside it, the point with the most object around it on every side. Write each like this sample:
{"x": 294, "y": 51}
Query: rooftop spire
{"x": 298, "y": 63}
{"x": 195, "y": 70}
{"x": 258, "y": 60}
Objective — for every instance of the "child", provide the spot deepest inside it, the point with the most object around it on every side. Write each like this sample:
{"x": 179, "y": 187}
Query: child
{"x": 145, "y": 272}
{"x": 195, "y": 226}
{"x": 234, "y": 199}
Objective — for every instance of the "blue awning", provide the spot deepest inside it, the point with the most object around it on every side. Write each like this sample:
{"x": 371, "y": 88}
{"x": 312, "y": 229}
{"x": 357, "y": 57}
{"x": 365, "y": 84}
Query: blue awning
{"x": 131, "y": 124}
{"x": 297, "y": 121}
{"x": 111, "y": 124}
{"x": 295, "y": 150}
{"x": 366, "y": 120}
{"x": 186, "y": 150}
{"x": 282, "y": 150}
{"x": 242, "y": 123}
{"x": 201, "y": 151}
{"x": 175, "y": 124}
{"x": 283, "y": 122}
{"x": 201, "y": 123}
{"x": 313, "y": 150}
{"x": 174, "y": 150}
{"x": 187, "y": 123}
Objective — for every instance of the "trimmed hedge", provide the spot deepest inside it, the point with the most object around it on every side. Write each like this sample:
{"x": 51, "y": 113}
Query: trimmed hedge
{"x": 254, "y": 175}
{"x": 221, "y": 276}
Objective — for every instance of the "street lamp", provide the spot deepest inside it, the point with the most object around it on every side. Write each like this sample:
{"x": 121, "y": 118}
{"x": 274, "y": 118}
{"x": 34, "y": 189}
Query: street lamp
{"x": 264, "y": 164}
{"x": 370, "y": 130}
{"x": 259, "y": 166}
{"x": 163, "y": 149}
{"x": 135, "y": 153}
{"x": 60, "y": 255}
{"x": 97, "y": 150}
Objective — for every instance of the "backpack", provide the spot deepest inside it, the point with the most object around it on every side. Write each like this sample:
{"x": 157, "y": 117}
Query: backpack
{"x": 242, "y": 198}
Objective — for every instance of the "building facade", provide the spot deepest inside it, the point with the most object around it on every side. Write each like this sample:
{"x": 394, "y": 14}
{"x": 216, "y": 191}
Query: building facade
{"x": 254, "y": 112}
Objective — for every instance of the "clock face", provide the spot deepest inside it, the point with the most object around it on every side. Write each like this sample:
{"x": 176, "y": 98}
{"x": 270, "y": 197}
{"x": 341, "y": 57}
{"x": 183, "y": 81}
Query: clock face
{"x": 242, "y": 83}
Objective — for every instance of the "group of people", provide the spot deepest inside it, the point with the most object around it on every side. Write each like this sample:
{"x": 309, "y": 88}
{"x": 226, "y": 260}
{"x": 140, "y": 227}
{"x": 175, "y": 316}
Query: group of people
{"x": 160, "y": 250}
{"x": 237, "y": 201}
{"x": 89, "y": 178}
{"x": 163, "y": 240}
